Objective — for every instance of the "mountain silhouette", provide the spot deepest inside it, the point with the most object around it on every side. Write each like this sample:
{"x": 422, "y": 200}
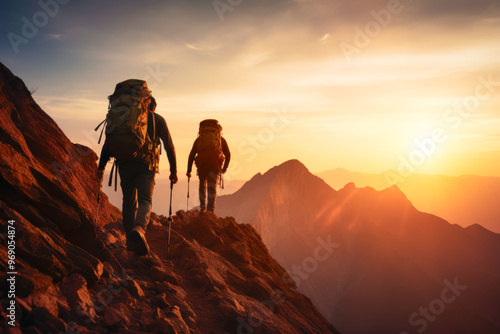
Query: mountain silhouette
{"x": 279, "y": 203}
{"x": 464, "y": 200}
{"x": 73, "y": 274}
{"x": 369, "y": 260}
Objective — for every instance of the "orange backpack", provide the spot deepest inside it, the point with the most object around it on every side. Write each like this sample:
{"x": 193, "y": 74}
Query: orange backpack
{"x": 209, "y": 146}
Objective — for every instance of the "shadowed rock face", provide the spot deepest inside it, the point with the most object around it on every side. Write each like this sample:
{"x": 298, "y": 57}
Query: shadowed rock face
{"x": 75, "y": 275}
{"x": 47, "y": 186}
{"x": 368, "y": 259}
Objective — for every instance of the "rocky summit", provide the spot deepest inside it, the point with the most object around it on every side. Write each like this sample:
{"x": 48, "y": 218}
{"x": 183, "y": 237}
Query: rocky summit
{"x": 64, "y": 270}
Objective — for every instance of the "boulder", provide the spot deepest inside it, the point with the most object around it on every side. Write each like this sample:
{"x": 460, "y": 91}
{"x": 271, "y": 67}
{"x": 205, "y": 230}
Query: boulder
{"x": 74, "y": 288}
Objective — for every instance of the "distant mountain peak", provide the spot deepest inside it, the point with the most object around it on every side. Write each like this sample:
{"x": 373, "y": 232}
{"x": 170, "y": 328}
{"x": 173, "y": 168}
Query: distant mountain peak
{"x": 293, "y": 165}
{"x": 392, "y": 196}
{"x": 293, "y": 162}
{"x": 291, "y": 173}
{"x": 349, "y": 187}
{"x": 394, "y": 189}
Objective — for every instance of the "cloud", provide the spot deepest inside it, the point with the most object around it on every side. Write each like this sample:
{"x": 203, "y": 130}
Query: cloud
{"x": 58, "y": 37}
{"x": 196, "y": 48}
{"x": 325, "y": 38}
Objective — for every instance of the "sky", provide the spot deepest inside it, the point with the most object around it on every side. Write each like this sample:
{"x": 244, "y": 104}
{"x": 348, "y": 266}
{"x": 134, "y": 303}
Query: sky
{"x": 363, "y": 85}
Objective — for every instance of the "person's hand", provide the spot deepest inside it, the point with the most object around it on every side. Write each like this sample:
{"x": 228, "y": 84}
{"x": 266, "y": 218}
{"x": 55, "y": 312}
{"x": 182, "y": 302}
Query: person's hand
{"x": 188, "y": 174}
{"x": 173, "y": 178}
{"x": 100, "y": 175}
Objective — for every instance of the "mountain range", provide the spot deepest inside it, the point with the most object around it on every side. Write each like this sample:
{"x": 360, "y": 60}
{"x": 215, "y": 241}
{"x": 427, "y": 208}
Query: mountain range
{"x": 464, "y": 200}
{"x": 369, "y": 260}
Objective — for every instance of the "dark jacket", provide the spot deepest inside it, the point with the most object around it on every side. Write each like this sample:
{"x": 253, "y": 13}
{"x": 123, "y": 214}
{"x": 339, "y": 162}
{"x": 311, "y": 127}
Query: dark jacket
{"x": 225, "y": 151}
{"x": 161, "y": 130}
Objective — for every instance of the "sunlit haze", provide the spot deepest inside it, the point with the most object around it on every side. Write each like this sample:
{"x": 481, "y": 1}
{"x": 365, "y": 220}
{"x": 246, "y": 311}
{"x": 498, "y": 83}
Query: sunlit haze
{"x": 364, "y": 85}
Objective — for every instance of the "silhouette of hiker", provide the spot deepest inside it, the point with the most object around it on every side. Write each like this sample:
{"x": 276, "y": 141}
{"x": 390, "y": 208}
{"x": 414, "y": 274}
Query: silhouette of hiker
{"x": 138, "y": 180}
{"x": 209, "y": 151}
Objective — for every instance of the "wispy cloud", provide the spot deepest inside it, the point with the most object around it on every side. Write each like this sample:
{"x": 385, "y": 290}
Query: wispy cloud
{"x": 197, "y": 48}
{"x": 326, "y": 37}
{"x": 59, "y": 37}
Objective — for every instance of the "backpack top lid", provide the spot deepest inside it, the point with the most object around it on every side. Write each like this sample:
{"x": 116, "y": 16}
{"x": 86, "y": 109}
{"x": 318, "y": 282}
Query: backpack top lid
{"x": 133, "y": 87}
{"x": 210, "y": 124}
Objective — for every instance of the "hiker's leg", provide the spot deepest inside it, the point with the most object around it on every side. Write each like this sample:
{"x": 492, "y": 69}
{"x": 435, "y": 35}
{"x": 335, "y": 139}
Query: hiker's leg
{"x": 203, "y": 188}
{"x": 129, "y": 190}
{"x": 145, "y": 181}
{"x": 212, "y": 190}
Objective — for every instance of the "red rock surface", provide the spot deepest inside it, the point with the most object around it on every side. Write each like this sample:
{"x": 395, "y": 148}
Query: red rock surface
{"x": 75, "y": 276}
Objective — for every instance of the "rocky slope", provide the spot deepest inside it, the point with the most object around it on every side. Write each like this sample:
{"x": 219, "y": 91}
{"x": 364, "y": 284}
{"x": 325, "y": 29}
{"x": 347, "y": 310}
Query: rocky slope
{"x": 365, "y": 254}
{"x": 74, "y": 274}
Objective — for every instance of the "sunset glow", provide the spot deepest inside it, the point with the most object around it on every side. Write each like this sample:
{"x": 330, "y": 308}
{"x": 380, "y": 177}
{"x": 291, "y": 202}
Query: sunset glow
{"x": 359, "y": 85}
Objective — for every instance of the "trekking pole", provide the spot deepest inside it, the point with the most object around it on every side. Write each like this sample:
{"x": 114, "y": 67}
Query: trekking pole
{"x": 98, "y": 200}
{"x": 221, "y": 183}
{"x": 170, "y": 216}
{"x": 187, "y": 208}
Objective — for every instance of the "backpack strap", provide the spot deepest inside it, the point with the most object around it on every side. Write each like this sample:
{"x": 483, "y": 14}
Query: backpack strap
{"x": 97, "y": 128}
{"x": 156, "y": 139}
{"x": 116, "y": 176}
{"x": 154, "y": 127}
{"x": 155, "y": 142}
{"x": 114, "y": 170}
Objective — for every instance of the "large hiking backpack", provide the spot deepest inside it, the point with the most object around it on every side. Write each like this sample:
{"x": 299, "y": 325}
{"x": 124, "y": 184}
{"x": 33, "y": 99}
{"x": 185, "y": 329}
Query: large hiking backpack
{"x": 209, "y": 146}
{"x": 126, "y": 126}
{"x": 127, "y": 119}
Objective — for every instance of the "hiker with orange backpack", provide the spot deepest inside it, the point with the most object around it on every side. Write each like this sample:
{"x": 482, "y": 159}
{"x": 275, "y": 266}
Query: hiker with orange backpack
{"x": 133, "y": 132}
{"x": 211, "y": 155}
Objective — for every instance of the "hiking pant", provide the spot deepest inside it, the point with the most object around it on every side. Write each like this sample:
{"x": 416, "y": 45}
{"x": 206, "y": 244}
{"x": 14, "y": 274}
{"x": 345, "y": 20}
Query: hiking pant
{"x": 208, "y": 178}
{"x": 137, "y": 183}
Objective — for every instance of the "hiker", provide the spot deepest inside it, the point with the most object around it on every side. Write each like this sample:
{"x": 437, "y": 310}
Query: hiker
{"x": 209, "y": 151}
{"x": 136, "y": 163}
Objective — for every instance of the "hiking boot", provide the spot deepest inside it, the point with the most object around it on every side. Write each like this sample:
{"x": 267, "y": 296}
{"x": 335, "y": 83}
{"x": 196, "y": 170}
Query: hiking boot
{"x": 137, "y": 241}
{"x": 130, "y": 246}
